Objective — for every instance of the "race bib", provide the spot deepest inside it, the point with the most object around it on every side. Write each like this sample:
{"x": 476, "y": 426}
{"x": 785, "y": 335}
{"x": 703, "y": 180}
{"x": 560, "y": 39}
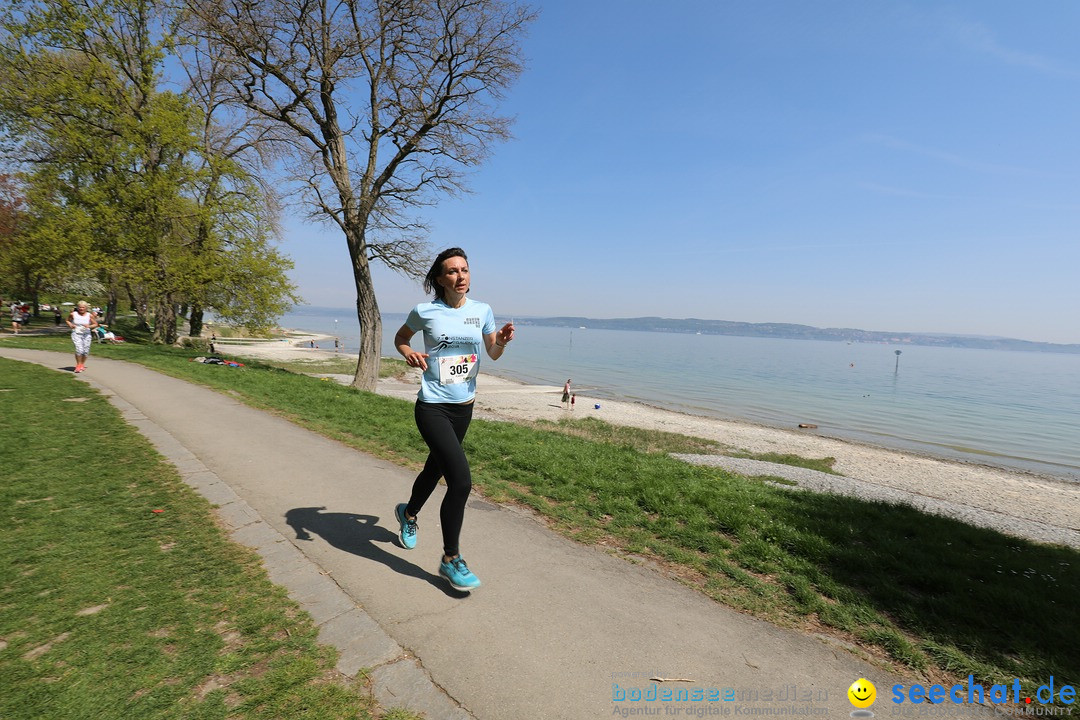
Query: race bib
{"x": 457, "y": 369}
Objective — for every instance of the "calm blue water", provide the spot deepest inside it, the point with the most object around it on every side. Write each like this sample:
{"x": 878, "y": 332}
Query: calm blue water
{"x": 1014, "y": 409}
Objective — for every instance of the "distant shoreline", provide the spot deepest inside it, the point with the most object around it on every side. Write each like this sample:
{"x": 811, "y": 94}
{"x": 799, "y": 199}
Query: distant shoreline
{"x": 788, "y": 331}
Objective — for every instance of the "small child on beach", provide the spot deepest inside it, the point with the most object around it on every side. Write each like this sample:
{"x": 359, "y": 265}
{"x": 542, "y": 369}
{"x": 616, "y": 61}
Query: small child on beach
{"x": 573, "y": 399}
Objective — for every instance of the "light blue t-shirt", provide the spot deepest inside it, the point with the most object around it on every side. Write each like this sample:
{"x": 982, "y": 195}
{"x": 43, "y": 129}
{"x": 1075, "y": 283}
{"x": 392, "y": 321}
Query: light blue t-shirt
{"x": 453, "y": 340}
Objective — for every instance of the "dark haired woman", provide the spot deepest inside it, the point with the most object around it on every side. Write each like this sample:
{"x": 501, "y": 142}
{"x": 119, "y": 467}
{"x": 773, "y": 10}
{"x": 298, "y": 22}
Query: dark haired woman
{"x": 454, "y": 329}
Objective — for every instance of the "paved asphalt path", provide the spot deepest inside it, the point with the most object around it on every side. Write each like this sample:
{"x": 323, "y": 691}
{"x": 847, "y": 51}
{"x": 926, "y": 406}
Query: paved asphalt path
{"x": 558, "y": 630}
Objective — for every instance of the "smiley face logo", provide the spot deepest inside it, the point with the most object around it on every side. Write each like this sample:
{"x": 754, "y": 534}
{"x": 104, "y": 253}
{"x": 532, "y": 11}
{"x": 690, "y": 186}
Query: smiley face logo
{"x": 862, "y": 693}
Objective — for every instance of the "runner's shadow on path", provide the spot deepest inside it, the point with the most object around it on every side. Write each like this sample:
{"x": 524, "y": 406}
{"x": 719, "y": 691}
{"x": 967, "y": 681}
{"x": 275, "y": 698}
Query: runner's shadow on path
{"x": 360, "y": 535}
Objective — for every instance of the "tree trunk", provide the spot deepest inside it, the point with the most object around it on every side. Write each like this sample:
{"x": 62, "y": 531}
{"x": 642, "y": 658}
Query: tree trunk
{"x": 138, "y": 304}
{"x": 38, "y": 283}
{"x": 165, "y": 321}
{"x": 111, "y": 305}
{"x": 367, "y": 312}
{"x": 195, "y": 320}
{"x": 27, "y": 290}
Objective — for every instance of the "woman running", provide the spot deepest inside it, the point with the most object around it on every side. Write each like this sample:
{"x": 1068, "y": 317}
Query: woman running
{"x": 454, "y": 329}
{"x": 82, "y": 323}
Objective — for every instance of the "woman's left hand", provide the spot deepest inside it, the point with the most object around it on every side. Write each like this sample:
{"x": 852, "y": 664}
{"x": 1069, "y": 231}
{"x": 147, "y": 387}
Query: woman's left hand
{"x": 505, "y": 334}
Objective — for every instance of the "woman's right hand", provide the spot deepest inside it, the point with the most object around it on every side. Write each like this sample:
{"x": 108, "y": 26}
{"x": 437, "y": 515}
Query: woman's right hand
{"x": 416, "y": 359}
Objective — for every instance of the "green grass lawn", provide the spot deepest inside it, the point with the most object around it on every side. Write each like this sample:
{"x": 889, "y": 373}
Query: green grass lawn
{"x": 109, "y": 609}
{"x": 929, "y": 594}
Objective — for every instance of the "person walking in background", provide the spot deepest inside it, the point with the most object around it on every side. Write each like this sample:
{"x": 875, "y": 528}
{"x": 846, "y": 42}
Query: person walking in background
{"x": 82, "y": 323}
{"x": 454, "y": 330}
{"x": 24, "y": 315}
{"x": 566, "y": 394}
{"x": 57, "y": 317}
{"x": 20, "y": 316}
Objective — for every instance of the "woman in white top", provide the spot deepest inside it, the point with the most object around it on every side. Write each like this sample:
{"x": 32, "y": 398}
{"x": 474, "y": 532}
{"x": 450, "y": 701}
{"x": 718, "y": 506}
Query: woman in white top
{"x": 82, "y": 323}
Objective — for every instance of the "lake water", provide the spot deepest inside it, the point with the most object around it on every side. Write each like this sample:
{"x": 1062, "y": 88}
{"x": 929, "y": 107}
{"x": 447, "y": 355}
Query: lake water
{"x": 1013, "y": 409}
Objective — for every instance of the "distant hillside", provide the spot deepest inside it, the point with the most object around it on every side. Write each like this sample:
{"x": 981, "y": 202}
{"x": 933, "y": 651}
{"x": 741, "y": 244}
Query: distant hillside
{"x": 797, "y": 332}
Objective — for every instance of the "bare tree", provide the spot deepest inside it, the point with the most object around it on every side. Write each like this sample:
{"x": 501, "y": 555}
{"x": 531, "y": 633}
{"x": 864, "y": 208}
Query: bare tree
{"x": 387, "y": 104}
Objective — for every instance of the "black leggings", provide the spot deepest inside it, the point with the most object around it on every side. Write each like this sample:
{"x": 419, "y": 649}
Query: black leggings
{"x": 443, "y": 427}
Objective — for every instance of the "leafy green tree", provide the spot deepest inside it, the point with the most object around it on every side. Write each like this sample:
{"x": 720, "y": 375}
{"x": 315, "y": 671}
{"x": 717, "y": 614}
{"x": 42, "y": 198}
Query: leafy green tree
{"x": 12, "y": 220}
{"x": 12, "y": 207}
{"x": 125, "y": 161}
{"x": 85, "y": 105}
{"x": 38, "y": 254}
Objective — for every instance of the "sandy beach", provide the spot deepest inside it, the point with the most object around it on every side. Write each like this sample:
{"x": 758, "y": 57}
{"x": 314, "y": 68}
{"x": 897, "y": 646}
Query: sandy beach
{"x": 1036, "y": 507}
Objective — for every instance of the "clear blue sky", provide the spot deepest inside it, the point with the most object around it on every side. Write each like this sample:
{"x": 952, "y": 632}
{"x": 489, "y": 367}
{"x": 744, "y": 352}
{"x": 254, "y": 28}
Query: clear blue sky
{"x": 905, "y": 166}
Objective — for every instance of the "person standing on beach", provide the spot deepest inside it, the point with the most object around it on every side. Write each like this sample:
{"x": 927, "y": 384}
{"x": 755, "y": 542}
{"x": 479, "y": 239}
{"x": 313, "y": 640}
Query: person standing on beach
{"x": 454, "y": 329}
{"x": 566, "y": 394}
{"x": 82, "y": 323}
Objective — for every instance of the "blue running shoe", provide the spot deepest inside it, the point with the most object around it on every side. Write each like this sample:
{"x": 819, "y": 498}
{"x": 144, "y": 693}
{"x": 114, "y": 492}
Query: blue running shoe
{"x": 459, "y": 575}
{"x": 408, "y": 527}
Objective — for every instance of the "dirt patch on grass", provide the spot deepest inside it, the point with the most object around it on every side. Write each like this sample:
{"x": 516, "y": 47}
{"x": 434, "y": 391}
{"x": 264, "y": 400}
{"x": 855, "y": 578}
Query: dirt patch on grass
{"x": 42, "y": 649}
